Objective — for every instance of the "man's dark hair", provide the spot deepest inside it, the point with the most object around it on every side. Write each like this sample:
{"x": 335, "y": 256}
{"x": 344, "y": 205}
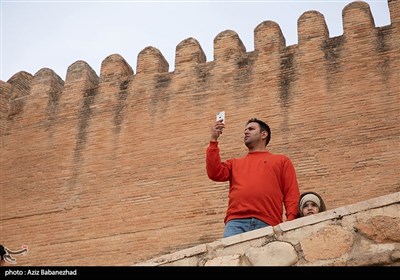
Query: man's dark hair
{"x": 263, "y": 127}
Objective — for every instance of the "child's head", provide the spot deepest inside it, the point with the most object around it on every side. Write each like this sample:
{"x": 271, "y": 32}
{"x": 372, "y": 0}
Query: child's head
{"x": 310, "y": 203}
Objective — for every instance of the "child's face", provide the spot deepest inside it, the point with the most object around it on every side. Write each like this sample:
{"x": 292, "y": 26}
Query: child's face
{"x": 309, "y": 208}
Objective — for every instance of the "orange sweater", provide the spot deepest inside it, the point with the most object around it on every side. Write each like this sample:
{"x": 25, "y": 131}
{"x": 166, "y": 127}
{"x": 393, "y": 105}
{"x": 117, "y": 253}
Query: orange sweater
{"x": 258, "y": 185}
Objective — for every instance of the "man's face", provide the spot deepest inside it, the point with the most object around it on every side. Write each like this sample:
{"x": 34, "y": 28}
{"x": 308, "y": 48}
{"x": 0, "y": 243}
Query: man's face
{"x": 252, "y": 133}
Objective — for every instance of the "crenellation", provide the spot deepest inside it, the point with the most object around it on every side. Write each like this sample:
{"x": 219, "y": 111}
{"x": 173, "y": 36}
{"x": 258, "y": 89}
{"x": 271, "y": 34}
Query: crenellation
{"x": 151, "y": 61}
{"x": 47, "y": 80}
{"x": 357, "y": 20}
{"x": 5, "y": 94}
{"x": 311, "y": 28}
{"x": 227, "y": 46}
{"x": 268, "y": 38}
{"x": 80, "y": 74}
{"x": 115, "y": 67}
{"x": 312, "y": 33}
{"x": 189, "y": 53}
{"x": 41, "y": 104}
{"x": 394, "y": 9}
{"x": 269, "y": 45}
{"x": 80, "y": 89}
{"x": 21, "y": 82}
{"x": 47, "y": 88}
{"x": 21, "y": 88}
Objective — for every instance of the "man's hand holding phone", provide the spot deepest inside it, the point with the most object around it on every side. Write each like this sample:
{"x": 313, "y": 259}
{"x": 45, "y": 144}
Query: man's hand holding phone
{"x": 219, "y": 125}
{"x": 221, "y": 116}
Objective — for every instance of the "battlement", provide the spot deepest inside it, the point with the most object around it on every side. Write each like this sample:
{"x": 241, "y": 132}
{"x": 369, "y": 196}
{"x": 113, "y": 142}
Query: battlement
{"x": 268, "y": 40}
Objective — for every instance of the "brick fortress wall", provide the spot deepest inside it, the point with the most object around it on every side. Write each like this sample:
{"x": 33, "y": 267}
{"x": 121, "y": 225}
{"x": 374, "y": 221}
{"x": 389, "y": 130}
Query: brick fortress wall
{"x": 110, "y": 169}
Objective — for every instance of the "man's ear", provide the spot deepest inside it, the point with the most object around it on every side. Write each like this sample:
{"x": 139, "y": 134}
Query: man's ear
{"x": 264, "y": 134}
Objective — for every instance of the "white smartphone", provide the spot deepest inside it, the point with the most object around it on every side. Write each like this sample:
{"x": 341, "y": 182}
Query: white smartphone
{"x": 221, "y": 116}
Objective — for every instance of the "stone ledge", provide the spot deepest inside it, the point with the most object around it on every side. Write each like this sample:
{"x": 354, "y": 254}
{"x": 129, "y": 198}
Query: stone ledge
{"x": 254, "y": 248}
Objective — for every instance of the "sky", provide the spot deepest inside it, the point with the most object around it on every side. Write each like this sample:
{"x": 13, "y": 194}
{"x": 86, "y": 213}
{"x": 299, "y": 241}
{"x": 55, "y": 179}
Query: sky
{"x": 55, "y": 34}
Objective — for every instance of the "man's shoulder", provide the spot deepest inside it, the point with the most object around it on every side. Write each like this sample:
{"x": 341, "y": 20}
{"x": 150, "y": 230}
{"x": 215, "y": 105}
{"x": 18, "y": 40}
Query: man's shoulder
{"x": 280, "y": 157}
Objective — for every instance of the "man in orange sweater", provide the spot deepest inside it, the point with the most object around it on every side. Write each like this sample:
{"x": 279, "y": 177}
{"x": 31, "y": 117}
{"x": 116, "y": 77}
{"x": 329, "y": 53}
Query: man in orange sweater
{"x": 260, "y": 183}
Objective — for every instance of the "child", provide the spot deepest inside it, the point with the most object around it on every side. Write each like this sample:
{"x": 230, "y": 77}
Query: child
{"x": 310, "y": 203}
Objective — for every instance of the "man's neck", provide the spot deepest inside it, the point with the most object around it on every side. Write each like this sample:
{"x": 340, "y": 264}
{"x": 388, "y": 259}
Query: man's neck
{"x": 258, "y": 148}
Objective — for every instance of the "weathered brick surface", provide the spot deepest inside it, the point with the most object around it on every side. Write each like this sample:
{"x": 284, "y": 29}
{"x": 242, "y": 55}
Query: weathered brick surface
{"x": 109, "y": 169}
